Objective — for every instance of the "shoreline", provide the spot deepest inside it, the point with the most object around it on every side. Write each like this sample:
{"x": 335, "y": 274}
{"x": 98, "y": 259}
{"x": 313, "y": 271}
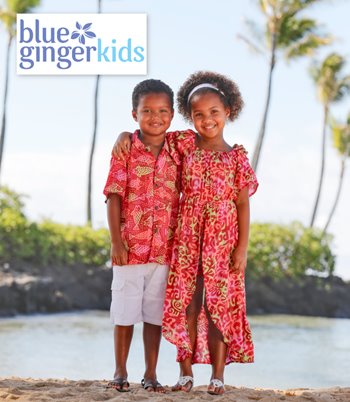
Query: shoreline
{"x": 29, "y": 389}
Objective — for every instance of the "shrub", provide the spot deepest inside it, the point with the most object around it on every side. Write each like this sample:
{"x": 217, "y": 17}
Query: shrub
{"x": 292, "y": 250}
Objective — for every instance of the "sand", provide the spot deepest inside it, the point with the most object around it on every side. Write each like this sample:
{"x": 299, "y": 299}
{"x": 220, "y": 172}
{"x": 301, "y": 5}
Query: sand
{"x": 28, "y": 389}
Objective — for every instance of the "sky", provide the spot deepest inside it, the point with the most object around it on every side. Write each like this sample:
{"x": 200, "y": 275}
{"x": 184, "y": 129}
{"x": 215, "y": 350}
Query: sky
{"x": 50, "y": 118}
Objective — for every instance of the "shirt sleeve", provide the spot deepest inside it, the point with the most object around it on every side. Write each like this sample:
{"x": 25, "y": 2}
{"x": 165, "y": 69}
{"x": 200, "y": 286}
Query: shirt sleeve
{"x": 245, "y": 176}
{"x": 179, "y": 143}
{"x": 117, "y": 177}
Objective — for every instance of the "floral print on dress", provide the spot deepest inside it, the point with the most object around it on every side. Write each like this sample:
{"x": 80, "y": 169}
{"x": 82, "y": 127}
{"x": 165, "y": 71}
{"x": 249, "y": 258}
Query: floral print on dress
{"x": 206, "y": 236}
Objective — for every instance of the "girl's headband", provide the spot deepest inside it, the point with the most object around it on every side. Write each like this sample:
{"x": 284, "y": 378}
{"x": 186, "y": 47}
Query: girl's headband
{"x": 204, "y": 85}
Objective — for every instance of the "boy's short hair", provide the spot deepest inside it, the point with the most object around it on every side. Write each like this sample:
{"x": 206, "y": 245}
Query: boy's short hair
{"x": 151, "y": 86}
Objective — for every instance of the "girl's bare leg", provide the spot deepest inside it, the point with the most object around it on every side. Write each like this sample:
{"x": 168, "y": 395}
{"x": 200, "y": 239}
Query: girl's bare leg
{"x": 192, "y": 313}
{"x": 218, "y": 351}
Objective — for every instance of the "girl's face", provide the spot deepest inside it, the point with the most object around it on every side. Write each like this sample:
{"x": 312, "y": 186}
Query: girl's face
{"x": 154, "y": 114}
{"x": 209, "y": 115}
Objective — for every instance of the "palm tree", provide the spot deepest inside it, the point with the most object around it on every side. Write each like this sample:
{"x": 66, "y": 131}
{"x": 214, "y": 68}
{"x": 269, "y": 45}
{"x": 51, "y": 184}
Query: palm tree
{"x": 332, "y": 86}
{"x": 8, "y": 18}
{"x": 341, "y": 141}
{"x": 92, "y": 149}
{"x": 287, "y": 34}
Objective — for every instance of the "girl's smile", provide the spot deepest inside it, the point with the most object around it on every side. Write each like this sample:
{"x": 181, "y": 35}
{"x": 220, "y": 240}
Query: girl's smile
{"x": 209, "y": 115}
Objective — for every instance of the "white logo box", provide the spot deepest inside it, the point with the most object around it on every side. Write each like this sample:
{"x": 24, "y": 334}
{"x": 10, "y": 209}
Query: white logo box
{"x": 81, "y": 44}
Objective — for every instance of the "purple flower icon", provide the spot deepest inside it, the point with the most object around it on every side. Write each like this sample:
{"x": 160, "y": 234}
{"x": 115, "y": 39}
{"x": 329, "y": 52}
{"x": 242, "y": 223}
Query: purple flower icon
{"x": 82, "y": 32}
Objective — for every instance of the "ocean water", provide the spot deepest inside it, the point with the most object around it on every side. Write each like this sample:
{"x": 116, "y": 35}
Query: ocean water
{"x": 290, "y": 351}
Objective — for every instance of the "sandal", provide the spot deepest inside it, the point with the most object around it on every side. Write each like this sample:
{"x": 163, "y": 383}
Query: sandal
{"x": 120, "y": 384}
{"x": 184, "y": 383}
{"x": 216, "y": 387}
{"x": 154, "y": 384}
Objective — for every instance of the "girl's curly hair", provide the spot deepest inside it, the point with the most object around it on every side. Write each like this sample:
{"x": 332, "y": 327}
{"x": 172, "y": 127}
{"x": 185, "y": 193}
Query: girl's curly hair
{"x": 228, "y": 92}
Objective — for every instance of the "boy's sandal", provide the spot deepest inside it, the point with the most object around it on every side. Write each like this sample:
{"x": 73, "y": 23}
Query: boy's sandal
{"x": 184, "y": 383}
{"x": 120, "y": 384}
{"x": 216, "y": 387}
{"x": 154, "y": 384}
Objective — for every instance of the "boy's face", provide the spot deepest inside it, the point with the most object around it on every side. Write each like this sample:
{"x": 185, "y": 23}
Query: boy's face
{"x": 154, "y": 114}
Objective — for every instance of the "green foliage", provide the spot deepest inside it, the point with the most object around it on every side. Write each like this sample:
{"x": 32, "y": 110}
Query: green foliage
{"x": 13, "y": 7}
{"x": 11, "y": 200}
{"x": 47, "y": 242}
{"x": 285, "y": 31}
{"x": 288, "y": 250}
{"x": 328, "y": 76}
{"x": 341, "y": 136}
{"x": 274, "y": 250}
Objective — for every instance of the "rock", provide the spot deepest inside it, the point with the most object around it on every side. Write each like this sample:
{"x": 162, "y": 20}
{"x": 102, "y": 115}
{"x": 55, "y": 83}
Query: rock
{"x": 309, "y": 295}
{"x": 28, "y": 289}
{"x": 56, "y": 289}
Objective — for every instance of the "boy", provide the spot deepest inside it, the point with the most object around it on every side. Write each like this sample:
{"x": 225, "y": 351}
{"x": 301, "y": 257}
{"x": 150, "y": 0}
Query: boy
{"x": 142, "y": 202}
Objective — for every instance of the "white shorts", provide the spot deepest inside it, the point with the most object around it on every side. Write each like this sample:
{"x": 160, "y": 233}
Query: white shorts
{"x": 138, "y": 293}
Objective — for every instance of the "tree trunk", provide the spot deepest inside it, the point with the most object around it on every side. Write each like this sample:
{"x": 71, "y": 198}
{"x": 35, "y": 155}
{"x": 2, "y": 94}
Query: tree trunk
{"x": 323, "y": 161}
{"x": 92, "y": 151}
{"x": 3, "y": 120}
{"x": 337, "y": 197}
{"x": 93, "y": 143}
{"x": 258, "y": 145}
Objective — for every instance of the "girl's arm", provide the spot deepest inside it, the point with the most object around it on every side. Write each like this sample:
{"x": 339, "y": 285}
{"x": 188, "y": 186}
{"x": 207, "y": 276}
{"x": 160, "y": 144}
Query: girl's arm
{"x": 122, "y": 145}
{"x": 239, "y": 255}
{"x": 119, "y": 253}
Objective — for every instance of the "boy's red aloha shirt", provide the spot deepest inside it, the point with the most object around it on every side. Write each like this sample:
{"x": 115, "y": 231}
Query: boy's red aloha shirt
{"x": 149, "y": 188}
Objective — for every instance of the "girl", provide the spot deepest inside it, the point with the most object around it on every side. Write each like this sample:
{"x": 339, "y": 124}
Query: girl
{"x": 204, "y": 311}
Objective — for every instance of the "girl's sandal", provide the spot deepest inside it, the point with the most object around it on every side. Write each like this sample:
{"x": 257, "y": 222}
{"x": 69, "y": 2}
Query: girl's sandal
{"x": 184, "y": 383}
{"x": 216, "y": 387}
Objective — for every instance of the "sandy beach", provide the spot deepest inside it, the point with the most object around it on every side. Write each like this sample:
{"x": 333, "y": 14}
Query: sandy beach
{"x": 28, "y": 389}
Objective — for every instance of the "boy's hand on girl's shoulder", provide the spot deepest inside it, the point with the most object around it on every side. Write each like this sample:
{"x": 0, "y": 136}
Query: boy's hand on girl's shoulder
{"x": 239, "y": 260}
{"x": 122, "y": 145}
{"x": 119, "y": 254}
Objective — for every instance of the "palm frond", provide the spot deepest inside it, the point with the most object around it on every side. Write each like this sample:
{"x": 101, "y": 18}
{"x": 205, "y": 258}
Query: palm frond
{"x": 341, "y": 136}
{"x": 264, "y": 6}
{"x": 8, "y": 18}
{"x": 14, "y": 7}
{"x": 307, "y": 46}
{"x": 331, "y": 84}
{"x": 342, "y": 89}
{"x": 254, "y": 30}
{"x": 22, "y": 6}
{"x": 292, "y": 29}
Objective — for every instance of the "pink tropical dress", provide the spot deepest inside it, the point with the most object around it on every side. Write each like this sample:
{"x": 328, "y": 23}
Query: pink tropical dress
{"x": 207, "y": 234}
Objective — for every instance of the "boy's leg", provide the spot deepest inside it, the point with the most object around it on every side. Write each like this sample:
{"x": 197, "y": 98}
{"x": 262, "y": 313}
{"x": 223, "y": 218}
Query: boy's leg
{"x": 151, "y": 339}
{"x": 125, "y": 311}
{"x": 155, "y": 281}
{"x": 122, "y": 340}
{"x": 192, "y": 313}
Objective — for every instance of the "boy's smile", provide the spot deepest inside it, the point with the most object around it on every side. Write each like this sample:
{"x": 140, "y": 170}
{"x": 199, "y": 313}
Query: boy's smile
{"x": 154, "y": 114}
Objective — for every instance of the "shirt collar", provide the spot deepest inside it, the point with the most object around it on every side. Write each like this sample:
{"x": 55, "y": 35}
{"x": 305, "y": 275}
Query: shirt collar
{"x": 141, "y": 146}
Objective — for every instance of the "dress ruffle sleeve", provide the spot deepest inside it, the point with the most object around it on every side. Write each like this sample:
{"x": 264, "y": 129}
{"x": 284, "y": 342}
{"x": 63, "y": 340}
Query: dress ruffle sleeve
{"x": 180, "y": 143}
{"x": 245, "y": 175}
{"x": 117, "y": 177}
